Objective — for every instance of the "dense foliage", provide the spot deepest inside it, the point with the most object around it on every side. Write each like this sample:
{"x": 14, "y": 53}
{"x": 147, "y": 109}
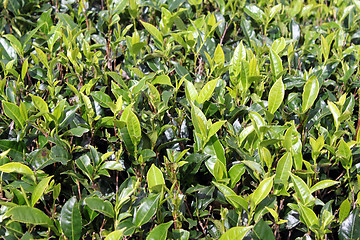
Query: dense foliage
{"x": 179, "y": 119}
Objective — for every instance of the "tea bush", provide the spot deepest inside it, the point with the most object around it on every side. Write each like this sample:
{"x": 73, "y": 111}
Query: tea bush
{"x": 179, "y": 119}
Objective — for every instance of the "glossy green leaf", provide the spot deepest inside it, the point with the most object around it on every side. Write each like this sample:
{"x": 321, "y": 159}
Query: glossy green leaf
{"x": 146, "y": 210}
{"x": 349, "y": 229}
{"x": 115, "y": 235}
{"x": 235, "y": 233}
{"x": 235, "y": 173}
{"x": 283, "y": 169}
{"x": 153, "y": 31}
{"x": 159, "y": 232}
{"x": 262, "y": 231}
{"x": 133, "y": 126}
{"x": 255, "y": 13}
{"x": 155, "y": 177}
{"x": 207, "y": 91}
{"x": 323, "y": 184}
{"x": 309, "y": 217}
{"x": 302, "y": 190}
{"x": 215, "y": 127}
{"x": 29, "y": 215}
{"x": 310, "y": 93}
{"x": 344, "y": 210}
{"x": 17, "y": 168}
{"x": 102, "y": 98}
{"x": 275, "y": 64}
{"x": 39, "y": 190}
{"x": 219, "y": 56}
{"x": 162, "y": 79}
{"x": 101, "y": 206}
{"x": 70, "y": 219}
{"x": 276, "y": 96}
{"x": 13, "y": 111}
{"x": 40, "y": 104}
{"x": 262, "y": 191}
{"x": 335, "y": 113}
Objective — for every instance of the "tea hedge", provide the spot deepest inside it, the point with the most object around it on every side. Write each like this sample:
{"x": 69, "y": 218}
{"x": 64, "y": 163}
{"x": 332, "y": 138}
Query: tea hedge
{"x": 179, "y": 119}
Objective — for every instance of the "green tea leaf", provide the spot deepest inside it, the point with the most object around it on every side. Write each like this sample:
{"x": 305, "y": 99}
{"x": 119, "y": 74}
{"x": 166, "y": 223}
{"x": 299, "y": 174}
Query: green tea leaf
{"x": 18, "y": 168}
{"x": 283, "y": 168}
{"x": 102, "y": 98}
{"x": 323, "y": 184}
{"x": 310, "y": 93}
{"x": 115, "y": 235}
{"x": 207, "y": 91}
{"x": 153, "y": 31}
{"x": 146, "y": 210}
{"x": 30, "y": 215}
{"x": 159, "y": 232}
{"x": 155, "y": 177}
{"x": 255, "y": 13}
{"x": 275, "y": 64}
{"x": 349, "y": 229}
{"x": 70, "y": 219}
{"x": 101, "y": 206}
{"x": 39, "y": 190}
{"x": 276, "y": 96}
{"x": 219, "y": 56}
{"x": 162, "y": 79}
{"x": 133, "y": 126}
{"x": 302, "y": 190}
{"x": 13, "y": 112}
{"x": 262, "y": 191}
{"x": 237, "y": 233}
{"x": 335, "y": 113}
{"x": 344, "y": 211}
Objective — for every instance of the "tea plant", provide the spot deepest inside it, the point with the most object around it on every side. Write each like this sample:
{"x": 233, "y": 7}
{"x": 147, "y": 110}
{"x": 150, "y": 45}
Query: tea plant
{"x": 185, "y": 119}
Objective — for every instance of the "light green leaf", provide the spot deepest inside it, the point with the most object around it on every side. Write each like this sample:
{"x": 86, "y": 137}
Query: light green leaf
{"x": 103, "y": 99}
{"x": 215, "y": 128}
{"x": 275, "y": 64}
{"x": 190, "y": 91}
{"x": 70, "y": 219}
{"x": 344, "y": 211}
{"x": 323, "y": 184}
{"x": 207, "y": 91}
{"x": 302, "y": 190}
{"x": 115, "y": 235}
{"x": 238, "y": 57}
{"x": 199, "y": 121}
{"x": 153, "y": 31}
{"x": 335, "y": 113}
{"x": 39, "y": 190}
{"x": 155, "y": 177}
{"x": 13, "y": 111}
{"x": 146, "y": 210}
{"x": 18, "y": 168}
{"x": 255, "y": 13}
{"x": 219, "y": 56}
{"x": 262, "y": 191}
{"x": 101, "y": 206}
{"x": 276, "y": 96}
{"x": 134, "y": 128}
{"x": 308, "y": 215}
{"x": 235, "y": 174}
{"x": 310, "y": 93}
{"x": 237, "y": 233}
{"x": 30, "y": 215}
{"x": 159, "y": 232}
{"x": 283, "y": 168}
{"x": 40, "y": 104}
{"x": 162, "y": 79}
{"x": 24, "y": 68}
